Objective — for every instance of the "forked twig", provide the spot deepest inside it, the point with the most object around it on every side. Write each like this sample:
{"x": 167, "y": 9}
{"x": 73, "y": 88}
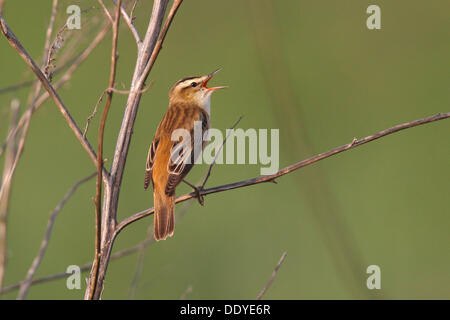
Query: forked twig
{"x": 217, "y": 154}
{"x": 94, "y": 112}
{"x": 129, "y": 21}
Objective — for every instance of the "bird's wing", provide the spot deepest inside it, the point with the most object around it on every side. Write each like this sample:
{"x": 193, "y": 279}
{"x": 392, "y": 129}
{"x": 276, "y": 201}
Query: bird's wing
{"x": 183, "y": 154}
{"x": 152, "y": 151}
{"x": 150, "y": 161}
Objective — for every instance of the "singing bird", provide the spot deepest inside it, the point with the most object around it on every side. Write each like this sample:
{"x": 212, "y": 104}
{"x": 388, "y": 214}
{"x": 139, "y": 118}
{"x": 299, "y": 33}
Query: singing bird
{"x": 189, "y": 101}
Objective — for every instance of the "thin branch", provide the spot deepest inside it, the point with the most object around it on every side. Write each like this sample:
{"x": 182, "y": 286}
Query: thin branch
{"x": 173, "y": 10}
{"x": 129, "y": 21}
{"x": 101, "y": 131}
{"x": 4, "y": 200}
{"x": 25, "y": 285}
{"x": 94, "y": 112}
{"x": 17, "y": 86}
{"x": 217, "y": 154}
{"x": 132, "y": 10}
{"x": 92, "y": 115}
{"x": 125, "y": 92}
{"x": 49, "y": 66}
{"x": 269, "y": 178}
{"x": 106, "y": 11}
{"x": 274, "y": 273}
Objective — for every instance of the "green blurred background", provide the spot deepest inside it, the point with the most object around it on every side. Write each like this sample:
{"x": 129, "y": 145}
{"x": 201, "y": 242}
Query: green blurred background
{"x": 311, "y": 69}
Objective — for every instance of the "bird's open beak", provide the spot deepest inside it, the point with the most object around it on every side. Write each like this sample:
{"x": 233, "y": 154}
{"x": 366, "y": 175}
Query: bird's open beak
{"x": 208, "y": 77}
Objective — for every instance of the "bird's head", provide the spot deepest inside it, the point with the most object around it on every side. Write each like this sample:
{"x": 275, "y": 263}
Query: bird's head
{"x": 194, "y": 90}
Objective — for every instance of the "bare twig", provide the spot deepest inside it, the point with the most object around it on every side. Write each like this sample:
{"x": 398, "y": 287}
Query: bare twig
{"x": 129, "y": 91}
{"x": 92, "y": 115}
{"x": 94, "y": 112}
{"x": 49, "y": 66}
{"x": 217, "y": 154}
{"x": 129, "y": 21}
{"x": 269, "y": 178}
{"x": 101, "y": 131}
{"x": 158, "y": 46}
{"x": 25, "y": 285}
{"x": 4, "y": 200}
{"x": 106, "y": 11}
{"x": 132, "y": 10}
{"x": 17, "y": 86}
{"x": 274, "y": 273}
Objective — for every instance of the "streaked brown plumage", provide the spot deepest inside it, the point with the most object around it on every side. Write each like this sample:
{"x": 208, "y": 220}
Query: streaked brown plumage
{"x": 189, "y": 101}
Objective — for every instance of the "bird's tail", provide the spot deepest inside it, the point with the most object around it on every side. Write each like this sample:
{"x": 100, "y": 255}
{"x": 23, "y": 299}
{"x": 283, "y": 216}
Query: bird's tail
{"x": 164, "y": 221}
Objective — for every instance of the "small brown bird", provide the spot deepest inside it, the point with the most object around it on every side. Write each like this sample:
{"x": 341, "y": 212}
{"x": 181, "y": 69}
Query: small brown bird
{"x": 168, "y": 161}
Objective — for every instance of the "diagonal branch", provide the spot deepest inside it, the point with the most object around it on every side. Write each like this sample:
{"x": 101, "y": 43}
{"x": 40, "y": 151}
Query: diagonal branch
{"x": 269, "y": 178}
{"x": 129, "y": 21}
{"x": 208, "y": 173}
{"x": 274, "y": 273}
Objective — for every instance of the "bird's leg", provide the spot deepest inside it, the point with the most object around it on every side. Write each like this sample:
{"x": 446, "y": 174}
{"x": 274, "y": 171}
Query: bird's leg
{"x": 197, "y": 190}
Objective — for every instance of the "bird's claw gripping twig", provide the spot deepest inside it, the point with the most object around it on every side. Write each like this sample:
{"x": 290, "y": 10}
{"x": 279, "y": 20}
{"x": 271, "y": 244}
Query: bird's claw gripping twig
{"x": 197, "y": 191}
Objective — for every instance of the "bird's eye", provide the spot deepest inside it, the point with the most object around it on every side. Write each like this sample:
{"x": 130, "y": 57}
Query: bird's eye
{"x": 193, "y": 84}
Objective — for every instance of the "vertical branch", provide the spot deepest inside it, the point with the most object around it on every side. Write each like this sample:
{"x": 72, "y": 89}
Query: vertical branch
{"x": 129, "y": 21}
{"x": 4, "y": 200}
{"x": 147, "y": 54}
{"x": 101, "y": 131}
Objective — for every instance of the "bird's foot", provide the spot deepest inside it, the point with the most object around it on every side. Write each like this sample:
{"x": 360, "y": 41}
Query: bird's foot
{"x": 197, "y": 191}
